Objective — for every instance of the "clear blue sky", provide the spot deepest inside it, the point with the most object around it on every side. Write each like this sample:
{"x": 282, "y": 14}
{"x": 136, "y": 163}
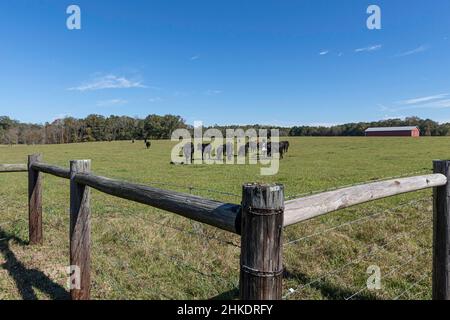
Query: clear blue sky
{"x": 279, "y": 62}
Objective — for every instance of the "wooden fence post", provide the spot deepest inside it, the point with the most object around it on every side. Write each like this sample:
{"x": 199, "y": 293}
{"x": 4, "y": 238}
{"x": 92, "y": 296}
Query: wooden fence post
{"x": 441, "y": 234}
{"x": 34, "y": 201}
{"x": 80, "y": 233}
{"x": 261, "y": 262}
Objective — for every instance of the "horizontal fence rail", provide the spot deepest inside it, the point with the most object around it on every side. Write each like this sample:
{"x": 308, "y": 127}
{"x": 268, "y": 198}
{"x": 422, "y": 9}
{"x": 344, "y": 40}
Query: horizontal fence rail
{"x": 224, "y": 216}
{"x": 13, "y": 168}
{"x": 309, "y": 207}
{"x": 51, "y": 169}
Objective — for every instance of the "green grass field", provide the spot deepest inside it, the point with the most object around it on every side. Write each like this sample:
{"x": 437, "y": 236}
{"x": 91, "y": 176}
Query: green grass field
{"x": 139, "y": 252}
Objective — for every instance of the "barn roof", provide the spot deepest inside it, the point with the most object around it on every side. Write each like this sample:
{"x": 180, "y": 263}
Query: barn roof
{"x": 391, "y": 129}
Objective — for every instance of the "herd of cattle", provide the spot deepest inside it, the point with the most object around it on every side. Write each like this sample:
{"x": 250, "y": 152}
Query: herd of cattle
{"x": 228, "y": 150}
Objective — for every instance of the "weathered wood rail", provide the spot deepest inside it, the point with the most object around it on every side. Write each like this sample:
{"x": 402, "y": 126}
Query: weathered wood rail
{"x": 13, "y": 168}
{"x": 259, "y": 220}
{"x": 309, "y": 207}
{"x": 217, "y": 214}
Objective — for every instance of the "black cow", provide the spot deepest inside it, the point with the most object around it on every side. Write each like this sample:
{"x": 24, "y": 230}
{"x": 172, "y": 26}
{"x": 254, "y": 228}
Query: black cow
{"x": 188, "y": 151}
{"x": 285, "y": 146}
{"x": 274, "y": 147}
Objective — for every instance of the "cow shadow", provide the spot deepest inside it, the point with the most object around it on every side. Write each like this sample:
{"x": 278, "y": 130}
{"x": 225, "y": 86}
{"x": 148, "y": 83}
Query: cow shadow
{"x": 27, "y": 279}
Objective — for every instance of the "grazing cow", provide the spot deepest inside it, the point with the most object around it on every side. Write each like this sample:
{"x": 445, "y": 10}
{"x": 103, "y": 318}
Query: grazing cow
{"x": 148, "y": 144}
{"x": 253, "y": 146}
{"x": 206, "y": 149}
{"x": 285, "y": 146}
{"x": 188, "y": 151}
{"x": 219, "y": 152}
{"x": 275, "y": 147}
{"x": 230, "y": 150}
{"x": 243, "y": 150}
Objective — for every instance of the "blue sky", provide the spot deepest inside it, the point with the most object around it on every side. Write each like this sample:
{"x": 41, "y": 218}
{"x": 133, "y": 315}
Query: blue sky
{"x": 278, "y": 62}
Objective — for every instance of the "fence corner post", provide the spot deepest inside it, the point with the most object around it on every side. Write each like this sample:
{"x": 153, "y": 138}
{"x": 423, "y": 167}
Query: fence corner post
{"x": 441, "y": 234}
{"x": 261, "y": 263}
{"x": 80, "y": 233}
{"x": 34, "y": 201}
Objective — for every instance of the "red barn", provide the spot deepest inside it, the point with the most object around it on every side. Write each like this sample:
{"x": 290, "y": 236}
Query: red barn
{"x": 393, "y": 132}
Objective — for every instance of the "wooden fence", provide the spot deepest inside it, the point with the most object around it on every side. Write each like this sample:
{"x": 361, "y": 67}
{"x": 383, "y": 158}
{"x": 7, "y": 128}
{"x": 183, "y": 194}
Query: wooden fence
{"x": 259, "y": 219}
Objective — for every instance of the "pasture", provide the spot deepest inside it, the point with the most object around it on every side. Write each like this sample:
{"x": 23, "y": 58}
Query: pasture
{"x": 140, "y": 252}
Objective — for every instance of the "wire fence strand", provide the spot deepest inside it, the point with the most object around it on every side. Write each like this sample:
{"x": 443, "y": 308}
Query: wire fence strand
{"x": 391, "y": 272}
{"x": 388, "y": 241}
{"x": 412, "y": 286}
{"x": 185, "y": 231}
{"x": 358, "y": 220}
{"x": 193, "y": 188}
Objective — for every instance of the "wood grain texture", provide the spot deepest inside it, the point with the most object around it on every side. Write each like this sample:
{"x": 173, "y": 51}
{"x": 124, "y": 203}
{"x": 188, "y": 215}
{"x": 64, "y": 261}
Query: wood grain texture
{"x": 261, "y": 242}
{"x": 312, "y": 206}
{"x": 34, "y": 201}
{"x": 13, "y": 168}
{"x": 80, "y": 230}
{"x": 218, "y": 214}
{"x": 51, "y": 169}
{"x": 441, "y": 235}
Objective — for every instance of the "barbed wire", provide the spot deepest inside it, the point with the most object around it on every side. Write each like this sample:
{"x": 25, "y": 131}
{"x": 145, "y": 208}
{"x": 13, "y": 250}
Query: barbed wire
{"x": 390, "y": 272}
{"x": 182, "y": 230}
{"x": 425, "y": 275}
{"x": 358, "y": 220}
{"x": 115, "y": 265}
{"x": 418, "y": 294}
{"x": 355, "y": 184}
{"x": 357, "y": 260}
{"x": 193, "y": 233}
{"x": 191, "y": 188}
{"x": 183, "y": 264}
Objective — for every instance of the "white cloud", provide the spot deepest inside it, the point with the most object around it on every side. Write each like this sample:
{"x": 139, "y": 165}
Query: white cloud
{"x": 442, "y": 103}
{"x": 194, "y": 57}
{"x": 422, "y": 48}
{"x": 155, "y": 99}
{"x": 212, "y": 92}
{"x": 111, "y": 102}
{"x": 323, "y": 53}
{"x": 369, "y": 48}
{"x": 108, "y": 82}
{"x": 429, "y": 102}
{"x": 423, "y": 99}
{"x": 383, "y": 107}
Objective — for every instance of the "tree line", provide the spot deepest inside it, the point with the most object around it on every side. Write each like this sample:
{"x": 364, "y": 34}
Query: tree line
{"x": 99, "y": 128}
{"x": 92, "y": 128}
